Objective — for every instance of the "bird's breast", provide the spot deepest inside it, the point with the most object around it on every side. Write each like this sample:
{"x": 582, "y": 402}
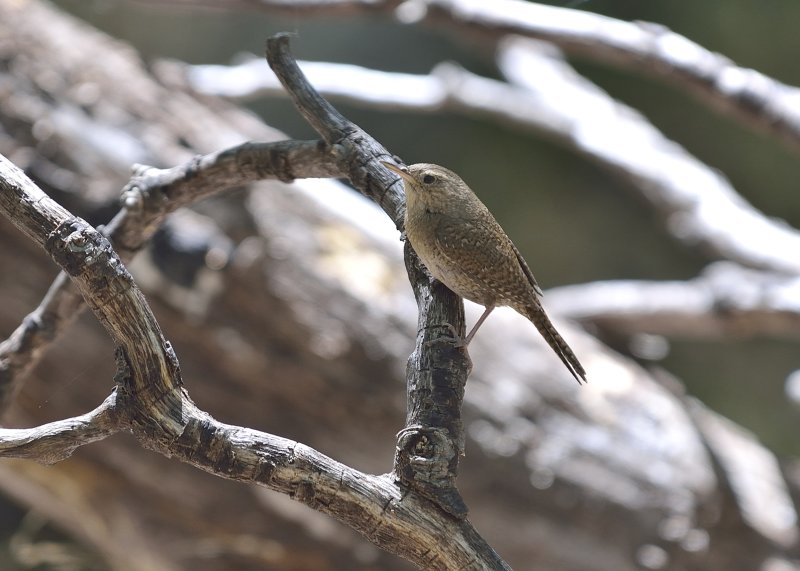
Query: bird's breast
{"x": 423, "y": 231}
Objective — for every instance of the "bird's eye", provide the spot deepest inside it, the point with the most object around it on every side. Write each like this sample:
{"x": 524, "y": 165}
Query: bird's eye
{"x": 428, "y": 179}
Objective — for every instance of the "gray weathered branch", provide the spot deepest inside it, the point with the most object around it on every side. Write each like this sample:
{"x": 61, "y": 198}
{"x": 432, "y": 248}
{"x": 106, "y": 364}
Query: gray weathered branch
{"x": 56, "y": 441}
{"x": 431, "y": 444}
{"x": 151, "y": 403}
{"x": 158, "y": 411}
{"x": 147, "y": 199}
{"x": 725, "y": 301}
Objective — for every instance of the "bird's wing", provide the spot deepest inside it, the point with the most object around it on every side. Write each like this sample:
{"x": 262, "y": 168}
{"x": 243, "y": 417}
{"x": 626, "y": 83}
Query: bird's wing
{"x": 528, "y": 273}
{"x": 484, "y": 255}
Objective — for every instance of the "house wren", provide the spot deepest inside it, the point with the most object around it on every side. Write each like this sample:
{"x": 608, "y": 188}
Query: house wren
{"x": 464, "y": 247}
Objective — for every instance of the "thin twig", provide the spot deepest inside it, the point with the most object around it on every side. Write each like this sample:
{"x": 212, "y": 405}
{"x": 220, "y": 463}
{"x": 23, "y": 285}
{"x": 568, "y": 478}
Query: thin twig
{"x": 56, "y": 441}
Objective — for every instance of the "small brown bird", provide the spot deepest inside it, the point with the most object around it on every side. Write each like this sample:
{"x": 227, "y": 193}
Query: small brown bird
{"x": 464, "y": 247}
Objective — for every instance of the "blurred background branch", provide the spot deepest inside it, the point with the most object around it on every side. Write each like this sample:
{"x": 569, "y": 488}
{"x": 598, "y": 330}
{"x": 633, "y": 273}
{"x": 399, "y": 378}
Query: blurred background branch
{"x": 725, "y": 301}
{"x": 698, "y": 205}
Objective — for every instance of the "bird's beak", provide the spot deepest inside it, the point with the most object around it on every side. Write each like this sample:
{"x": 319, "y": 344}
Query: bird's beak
{"x": 398, "y": 170}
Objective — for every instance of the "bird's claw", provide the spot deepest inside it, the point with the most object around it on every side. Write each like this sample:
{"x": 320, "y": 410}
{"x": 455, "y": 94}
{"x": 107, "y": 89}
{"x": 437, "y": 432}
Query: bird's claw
{"x": 456, "y": 340}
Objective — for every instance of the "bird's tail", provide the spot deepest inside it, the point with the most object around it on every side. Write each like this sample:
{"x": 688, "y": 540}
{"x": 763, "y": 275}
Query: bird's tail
{"x": 539, "y": 318}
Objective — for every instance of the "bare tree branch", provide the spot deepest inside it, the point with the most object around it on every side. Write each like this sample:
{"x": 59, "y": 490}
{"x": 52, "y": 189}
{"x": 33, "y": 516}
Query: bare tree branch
{"x": 725, "y": 301}
{"x": 161, "y": 415}
{"x": 698, "y": 204}
{"x": 147, "y": 199}
{"x": 747, "y": 95}
{"x": 152, "y": 194}
{"x": 26, "y": 345}
{"x": 54, "y": 442}
{"x": 370, "y": 178}
{"x": 150, "y": 398}
{"x": 342, "y": 82}
{"x": 432, "y": 442}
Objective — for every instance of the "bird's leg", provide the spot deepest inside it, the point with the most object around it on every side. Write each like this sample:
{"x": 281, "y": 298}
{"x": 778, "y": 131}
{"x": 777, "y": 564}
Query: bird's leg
{"x": 459, "y": 341}
{"x": 478, "y": 323}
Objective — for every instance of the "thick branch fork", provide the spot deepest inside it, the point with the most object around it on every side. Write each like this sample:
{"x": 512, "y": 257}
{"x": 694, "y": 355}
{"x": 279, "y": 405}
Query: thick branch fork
{"x": 147, "y": 199}
{"x": 408, "y": 512}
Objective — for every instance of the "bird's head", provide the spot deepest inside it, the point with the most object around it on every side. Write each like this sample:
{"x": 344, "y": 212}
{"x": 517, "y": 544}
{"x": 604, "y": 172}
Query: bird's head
{"x": 430, "y": 186}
